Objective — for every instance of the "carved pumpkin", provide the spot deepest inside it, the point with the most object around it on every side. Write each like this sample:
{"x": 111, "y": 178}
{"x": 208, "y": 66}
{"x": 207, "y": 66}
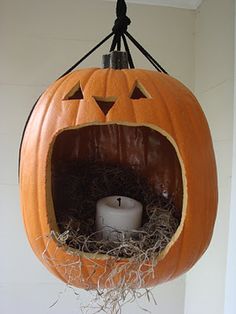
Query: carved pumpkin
{"x": 143, "y": 119}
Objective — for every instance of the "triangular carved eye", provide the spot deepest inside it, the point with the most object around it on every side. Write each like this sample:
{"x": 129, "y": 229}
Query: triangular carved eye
{"x": 75, "y": 93}
{"x": 105, "y": 104}
{"x": 139, "y": 92}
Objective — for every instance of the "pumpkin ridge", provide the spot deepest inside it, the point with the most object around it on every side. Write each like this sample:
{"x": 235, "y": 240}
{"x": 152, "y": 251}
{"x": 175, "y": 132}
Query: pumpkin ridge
{"x": 181, "y": 228}
{"x": 150, "y": 81}
{"x": 36, "y": 198}
{"x": 170, "y": 122}
{"x": 108, "y": 75}
{"x": 176, "y": 237}
{"x": 38, "y": 177}
{"x": 84, "y": 83}
{"x": 130, "y": 100}
{"x": 88, "y": 80}
{"x": 197, "y": 113}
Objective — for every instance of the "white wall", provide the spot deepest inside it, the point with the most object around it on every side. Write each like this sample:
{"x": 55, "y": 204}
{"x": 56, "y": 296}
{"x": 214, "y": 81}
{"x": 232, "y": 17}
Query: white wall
{"x": 230, "y": 300}
{"x": 214, "y": 87}
{"x": 39, "y": 40}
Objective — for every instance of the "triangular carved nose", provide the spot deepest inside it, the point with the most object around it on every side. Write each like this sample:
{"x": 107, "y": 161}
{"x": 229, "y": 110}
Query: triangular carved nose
{"x": 105, "y": 104}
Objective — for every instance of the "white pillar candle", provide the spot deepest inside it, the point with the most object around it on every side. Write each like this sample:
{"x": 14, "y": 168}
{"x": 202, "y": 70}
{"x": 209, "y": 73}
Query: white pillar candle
{"x": 117, "y": 213}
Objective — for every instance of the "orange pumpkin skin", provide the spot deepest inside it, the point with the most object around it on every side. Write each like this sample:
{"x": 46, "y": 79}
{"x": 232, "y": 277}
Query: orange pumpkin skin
{"x": 173, "y": 109}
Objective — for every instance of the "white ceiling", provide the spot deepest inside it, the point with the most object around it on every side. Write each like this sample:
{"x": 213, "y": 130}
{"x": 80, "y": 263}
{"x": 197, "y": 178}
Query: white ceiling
{"x": 185, "y": 4}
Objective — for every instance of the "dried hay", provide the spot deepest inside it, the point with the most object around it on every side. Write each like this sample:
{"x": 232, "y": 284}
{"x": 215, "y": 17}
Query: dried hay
{"x": 82, "y": 185}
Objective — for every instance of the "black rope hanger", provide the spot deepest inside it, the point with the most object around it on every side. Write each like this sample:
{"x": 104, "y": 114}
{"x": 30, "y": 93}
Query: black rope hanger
{"x": 119, "y": 33}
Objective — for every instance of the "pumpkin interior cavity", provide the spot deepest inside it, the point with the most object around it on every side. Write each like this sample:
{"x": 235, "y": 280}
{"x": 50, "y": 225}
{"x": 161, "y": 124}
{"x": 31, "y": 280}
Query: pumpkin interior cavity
{"x": 96, "y": 161}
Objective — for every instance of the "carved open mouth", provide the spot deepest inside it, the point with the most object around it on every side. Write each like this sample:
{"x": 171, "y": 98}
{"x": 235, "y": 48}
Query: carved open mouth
{"x": 95, "y": 161}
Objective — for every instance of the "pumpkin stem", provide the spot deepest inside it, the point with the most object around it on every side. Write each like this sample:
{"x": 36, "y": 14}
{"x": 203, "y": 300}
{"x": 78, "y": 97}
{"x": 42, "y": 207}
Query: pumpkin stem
{"x": 115, "y": 60}
{"x": 120, "y": 28}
